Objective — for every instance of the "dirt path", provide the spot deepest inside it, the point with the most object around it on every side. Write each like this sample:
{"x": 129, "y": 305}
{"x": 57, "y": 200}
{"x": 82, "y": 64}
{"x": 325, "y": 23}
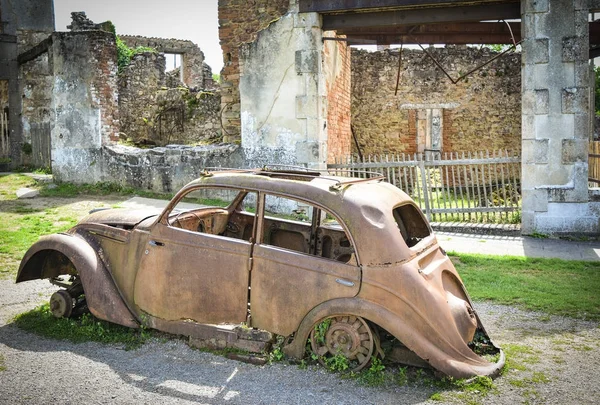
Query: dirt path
{"x": 553, "y": 360}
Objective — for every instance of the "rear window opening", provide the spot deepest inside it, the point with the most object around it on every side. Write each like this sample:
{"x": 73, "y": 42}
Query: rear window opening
{"x": 411, "y": 223}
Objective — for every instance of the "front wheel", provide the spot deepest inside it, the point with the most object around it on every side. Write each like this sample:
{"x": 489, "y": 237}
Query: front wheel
{"x": 343, "y": 342}
{"x": 61, "y": 304}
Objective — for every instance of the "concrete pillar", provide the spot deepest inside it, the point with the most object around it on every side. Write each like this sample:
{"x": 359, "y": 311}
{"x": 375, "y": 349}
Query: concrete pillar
{"x": 555, "y": 117}
{"x": 283, "y": 93}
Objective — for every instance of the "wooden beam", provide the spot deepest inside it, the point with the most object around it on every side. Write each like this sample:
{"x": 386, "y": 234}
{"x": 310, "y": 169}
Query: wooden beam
{"x": 422, "y": 16}
{"x": 35, "y": 51}
{"x": 455, "y": 33}
{"x": 337, "y": 6}
{"x": 455, "y": 39}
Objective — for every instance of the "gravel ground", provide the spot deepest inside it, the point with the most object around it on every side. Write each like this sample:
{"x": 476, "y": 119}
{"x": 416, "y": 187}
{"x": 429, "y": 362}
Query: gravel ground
{"x": 559, "y": 359}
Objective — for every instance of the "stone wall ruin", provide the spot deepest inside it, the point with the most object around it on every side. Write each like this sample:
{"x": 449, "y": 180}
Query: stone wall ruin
{"x": 195, "y": 73}
{"x": 156, "y": 108}
{"x": 481, "y": 112}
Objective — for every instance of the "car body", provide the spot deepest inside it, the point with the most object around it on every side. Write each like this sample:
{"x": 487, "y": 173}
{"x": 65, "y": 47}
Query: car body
{"x": 341, "y": 262}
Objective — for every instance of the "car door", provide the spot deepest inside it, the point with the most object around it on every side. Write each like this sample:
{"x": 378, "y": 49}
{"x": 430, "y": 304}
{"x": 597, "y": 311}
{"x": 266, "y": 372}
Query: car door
{"x": 193, "y": 267}
{"x": 292, "y": 272}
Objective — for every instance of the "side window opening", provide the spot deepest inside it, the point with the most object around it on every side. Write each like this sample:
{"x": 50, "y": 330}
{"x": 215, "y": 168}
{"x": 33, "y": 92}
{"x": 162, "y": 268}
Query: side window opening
{"x": 216, "y": 211}
{"x": 304, "y": 228}
{"x": 411, "y": 224}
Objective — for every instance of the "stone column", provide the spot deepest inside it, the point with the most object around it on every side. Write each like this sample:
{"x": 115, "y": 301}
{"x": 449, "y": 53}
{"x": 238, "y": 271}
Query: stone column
{"x": 555, "y": 117}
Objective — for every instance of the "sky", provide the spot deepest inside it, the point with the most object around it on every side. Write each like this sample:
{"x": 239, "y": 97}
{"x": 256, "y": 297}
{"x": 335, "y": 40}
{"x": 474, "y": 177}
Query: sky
{"x": 194, "y": 20}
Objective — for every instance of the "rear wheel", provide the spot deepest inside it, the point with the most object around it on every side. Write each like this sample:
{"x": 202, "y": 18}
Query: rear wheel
{"x": 342, "y": 337}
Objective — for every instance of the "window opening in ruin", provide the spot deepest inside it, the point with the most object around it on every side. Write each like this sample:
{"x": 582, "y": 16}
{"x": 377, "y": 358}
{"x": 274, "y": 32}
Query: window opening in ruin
{"x": 174, "y": 62}
{"x": 4, "y": 142}
{"x": 429, "y": 131}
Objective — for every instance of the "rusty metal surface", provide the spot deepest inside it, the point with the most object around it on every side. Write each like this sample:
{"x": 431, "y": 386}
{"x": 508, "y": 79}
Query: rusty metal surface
{"x": 178, "y": 271}
{"x": 102, "y": 296}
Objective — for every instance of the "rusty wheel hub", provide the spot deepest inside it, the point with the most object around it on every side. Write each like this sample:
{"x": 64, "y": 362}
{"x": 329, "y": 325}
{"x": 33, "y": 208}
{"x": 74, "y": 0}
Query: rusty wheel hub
{"x": 61, "y": 304}
{"x": 349, "y": 336}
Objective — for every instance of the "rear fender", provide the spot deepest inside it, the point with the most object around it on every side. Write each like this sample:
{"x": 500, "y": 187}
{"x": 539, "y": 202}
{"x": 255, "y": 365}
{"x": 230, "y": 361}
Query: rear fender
{"x": 59, "y": 254}
{"x": 454, "y": 364}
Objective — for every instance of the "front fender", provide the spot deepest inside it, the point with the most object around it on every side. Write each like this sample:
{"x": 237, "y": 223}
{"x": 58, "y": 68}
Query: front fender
{"x": 451, "y": 364}
{"x": 102, "y": 296}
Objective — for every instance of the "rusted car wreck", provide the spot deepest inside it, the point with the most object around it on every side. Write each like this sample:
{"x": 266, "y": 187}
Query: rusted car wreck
{"x": 345, "y": 264}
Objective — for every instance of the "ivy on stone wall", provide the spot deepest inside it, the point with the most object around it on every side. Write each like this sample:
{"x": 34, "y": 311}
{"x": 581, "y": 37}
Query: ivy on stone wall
{"x": 125, "y": 53}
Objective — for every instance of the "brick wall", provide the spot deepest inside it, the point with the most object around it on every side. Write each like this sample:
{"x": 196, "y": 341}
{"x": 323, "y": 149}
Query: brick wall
{"x": 336, "y": 61}
{"x": 481, "y": 112}
{"x": 239, "y": 22}
{"x": 104, "y": 85}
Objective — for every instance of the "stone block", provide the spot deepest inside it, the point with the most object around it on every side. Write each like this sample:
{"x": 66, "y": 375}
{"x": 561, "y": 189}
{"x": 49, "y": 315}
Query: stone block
{"x": 535, "y": 151}
{"x": 307, "y": 151}
{"x": 541, "y": 101}
{"x": 549, "y": 225}
{"x": 528, "y": 28}
{"x": 539, "y": 51}
{"x": 534, "y": 6}
{"x": 582, "y": 73}
{"x": 528, "y": 225}
{"x": 535, "y": 200}
{"x": 575, "y": 100}
{"x": 307, "y": 20}
{"x": 556, "y": 209}
{"x": 27, "y": 193}
{"x": 307, "y": 61}
{"x": 574, "y": 49}
{"x": 584, "y": 5}
{"x": 574, "y": 150}
{"x": 554, "y": 127}
{"x": 528, "y": 126}
{"x": 307, "y": 107}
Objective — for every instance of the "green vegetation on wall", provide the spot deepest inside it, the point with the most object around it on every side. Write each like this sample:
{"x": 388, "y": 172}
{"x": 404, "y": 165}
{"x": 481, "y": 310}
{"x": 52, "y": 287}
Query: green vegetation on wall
{"x": 125, "y": 53}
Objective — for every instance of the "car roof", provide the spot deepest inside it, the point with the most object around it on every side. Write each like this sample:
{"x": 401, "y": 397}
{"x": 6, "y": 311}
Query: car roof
{"x": 363, "y": 205}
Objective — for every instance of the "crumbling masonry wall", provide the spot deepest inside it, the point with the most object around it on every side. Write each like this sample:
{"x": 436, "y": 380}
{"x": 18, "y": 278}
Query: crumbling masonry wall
{"x": 35, "y": 79}
{"x": 157, "y": 109}
{"x": 192, "y": 58}
{"x": 23, "y": 24}
{"x": 138, "y": 84}
{"x": 84, "y": 103}
{"x": 480, "y": 112}
{"x": 239, "y": 23}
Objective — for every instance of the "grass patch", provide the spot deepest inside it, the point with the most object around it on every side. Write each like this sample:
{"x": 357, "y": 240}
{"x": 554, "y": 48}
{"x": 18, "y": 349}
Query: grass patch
{"x": 558, "y": 287}
{"x": 10, "y": 183}
{"x": 69, "y": 190}
{"x": 2, "y": 363}
{"x": 86, "y": 328}
{"x": 20, "y": 227}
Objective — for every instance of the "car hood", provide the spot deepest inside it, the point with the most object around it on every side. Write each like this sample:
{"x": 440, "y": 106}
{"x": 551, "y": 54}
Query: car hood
{"x": 120, "y": 216}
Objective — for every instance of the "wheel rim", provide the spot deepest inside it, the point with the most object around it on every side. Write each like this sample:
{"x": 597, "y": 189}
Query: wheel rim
{"x": 61, "y": 304}
{"x": 346, "y": 335}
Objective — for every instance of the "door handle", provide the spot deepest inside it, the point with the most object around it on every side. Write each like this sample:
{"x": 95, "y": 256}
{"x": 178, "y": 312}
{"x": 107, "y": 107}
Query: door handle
{"x": 346, "y": 283}
{"x": 155, "y": 243}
